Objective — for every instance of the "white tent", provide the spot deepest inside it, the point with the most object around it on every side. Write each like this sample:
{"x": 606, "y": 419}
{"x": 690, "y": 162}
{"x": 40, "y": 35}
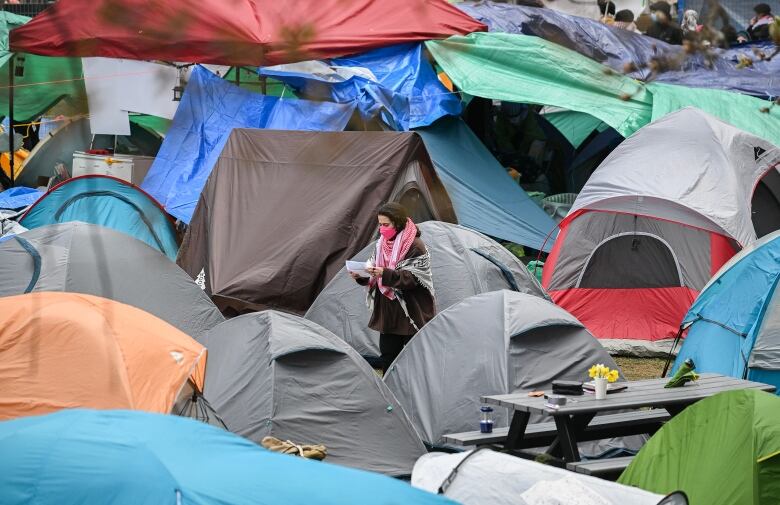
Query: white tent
{"x": 689, "y": 168}
{"x": 484, "y": 476}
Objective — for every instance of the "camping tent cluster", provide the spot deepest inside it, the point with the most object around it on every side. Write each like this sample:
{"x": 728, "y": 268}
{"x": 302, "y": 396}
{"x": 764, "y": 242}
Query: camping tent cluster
{"x": 190, "y": 264}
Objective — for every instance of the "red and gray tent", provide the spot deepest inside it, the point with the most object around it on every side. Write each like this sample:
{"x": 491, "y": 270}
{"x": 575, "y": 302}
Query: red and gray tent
{"x": 656, "y": 220}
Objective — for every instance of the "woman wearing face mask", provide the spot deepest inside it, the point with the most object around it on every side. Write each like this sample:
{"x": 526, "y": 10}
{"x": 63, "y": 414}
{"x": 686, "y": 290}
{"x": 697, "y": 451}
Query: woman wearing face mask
{"x": 400, "y": 289}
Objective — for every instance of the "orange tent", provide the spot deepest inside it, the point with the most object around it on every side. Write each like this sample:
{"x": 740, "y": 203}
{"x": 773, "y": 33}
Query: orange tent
{"x": 66, "y": 350}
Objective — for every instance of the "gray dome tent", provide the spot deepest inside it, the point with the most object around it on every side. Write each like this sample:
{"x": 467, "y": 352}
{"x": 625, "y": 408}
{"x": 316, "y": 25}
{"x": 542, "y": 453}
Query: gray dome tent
{"x": 494, "y": 343}
{"x": 276, "y": 374}
{"x": 78, "y": 257}
{"x": 464, "y": 263}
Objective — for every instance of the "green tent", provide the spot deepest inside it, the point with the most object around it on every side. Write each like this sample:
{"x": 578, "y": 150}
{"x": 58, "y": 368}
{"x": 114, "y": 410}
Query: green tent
{"x": 724, "y": 450}
{"x": 526, "y": 69}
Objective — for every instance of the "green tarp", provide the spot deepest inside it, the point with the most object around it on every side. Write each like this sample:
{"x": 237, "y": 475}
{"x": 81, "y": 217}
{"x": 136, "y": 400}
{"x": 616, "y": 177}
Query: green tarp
{"x": 251, "y": 81}
{"x": 724, "y": 450}
{"x": 525, "y": 69}
{"x": 738, "y": 110}
{"x": 575, "y": 126}
{"x": 45, "y": 80}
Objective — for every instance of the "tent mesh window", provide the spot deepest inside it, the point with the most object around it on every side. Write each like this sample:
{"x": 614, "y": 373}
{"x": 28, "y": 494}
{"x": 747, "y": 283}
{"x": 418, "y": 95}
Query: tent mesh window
{"x": 631, "y": 261}
{"x": 766, "y": 204}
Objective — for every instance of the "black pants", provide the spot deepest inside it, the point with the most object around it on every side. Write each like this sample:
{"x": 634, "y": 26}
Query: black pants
{"x": 390, "y": 346}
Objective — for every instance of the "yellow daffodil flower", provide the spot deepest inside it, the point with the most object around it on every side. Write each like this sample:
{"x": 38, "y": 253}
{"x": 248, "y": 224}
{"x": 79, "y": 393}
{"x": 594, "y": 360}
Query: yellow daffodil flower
{"x": 612, "y": 376}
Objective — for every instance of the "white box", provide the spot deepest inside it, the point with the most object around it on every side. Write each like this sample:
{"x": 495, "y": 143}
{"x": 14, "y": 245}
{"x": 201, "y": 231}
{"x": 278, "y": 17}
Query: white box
{"x": 117, "y": 166}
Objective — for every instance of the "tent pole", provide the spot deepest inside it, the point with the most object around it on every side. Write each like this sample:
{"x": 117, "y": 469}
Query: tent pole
{"x": 263, "y": 85}
{"x": 238, "y": 76}
{"x": 10, "y": 67}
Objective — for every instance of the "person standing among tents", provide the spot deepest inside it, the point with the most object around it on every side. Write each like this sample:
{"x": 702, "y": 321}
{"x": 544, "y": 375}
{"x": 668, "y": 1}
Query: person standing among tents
{"x": 662, "y": 27}
{"x": 400, "y": 289}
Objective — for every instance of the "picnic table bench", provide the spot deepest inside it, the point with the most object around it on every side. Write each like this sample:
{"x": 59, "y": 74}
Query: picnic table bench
{"x": 543, "y": 434}
{"x": 573, "y": 420}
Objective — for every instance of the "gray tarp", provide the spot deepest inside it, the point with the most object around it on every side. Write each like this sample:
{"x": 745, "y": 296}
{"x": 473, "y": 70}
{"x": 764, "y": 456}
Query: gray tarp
{"x": 78, "y": 257}
{"x": 283, "y": 210}
{"x": 464, "y": 263}
{"x": 494, "y": 343}
{"x": 276, "y": 374}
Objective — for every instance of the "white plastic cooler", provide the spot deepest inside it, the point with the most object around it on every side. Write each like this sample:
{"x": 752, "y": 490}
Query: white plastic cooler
{"x": 117, "y": 166}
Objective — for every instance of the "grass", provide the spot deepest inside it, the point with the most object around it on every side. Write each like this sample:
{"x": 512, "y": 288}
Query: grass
{"x": 640, "y": 368}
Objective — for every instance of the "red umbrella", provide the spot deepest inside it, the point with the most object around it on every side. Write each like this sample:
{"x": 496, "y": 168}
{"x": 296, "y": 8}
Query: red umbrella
{"x": 234, "y": 32}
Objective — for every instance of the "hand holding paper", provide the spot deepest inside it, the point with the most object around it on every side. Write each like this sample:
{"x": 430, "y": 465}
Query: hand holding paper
{"x": 358, "y": 267}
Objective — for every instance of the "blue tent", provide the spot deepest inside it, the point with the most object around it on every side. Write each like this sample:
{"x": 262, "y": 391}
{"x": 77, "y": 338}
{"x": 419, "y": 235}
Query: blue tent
{"x": 209, "y": 110}
{"x": 18, "y": 198}
{"x": 108, "y": 202}
{"x": 615, "y": 47}
{"x": 485, "y": 197}
{"x": 734, "y": 324}
{"x": 395, "y": 83}
{"x": 136, "y": 458}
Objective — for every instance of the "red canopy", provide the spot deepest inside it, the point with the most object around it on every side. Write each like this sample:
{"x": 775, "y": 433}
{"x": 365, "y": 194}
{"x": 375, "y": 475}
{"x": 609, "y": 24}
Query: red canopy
{"x": 234, "y": 32}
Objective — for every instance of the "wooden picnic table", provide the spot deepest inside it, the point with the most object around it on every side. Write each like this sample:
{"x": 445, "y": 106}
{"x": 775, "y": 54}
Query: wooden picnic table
{"x": 572, "y": 419}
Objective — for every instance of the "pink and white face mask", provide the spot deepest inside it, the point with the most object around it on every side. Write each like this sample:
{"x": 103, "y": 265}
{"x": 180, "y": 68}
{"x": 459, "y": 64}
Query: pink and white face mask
{"x": 388, "y": 232}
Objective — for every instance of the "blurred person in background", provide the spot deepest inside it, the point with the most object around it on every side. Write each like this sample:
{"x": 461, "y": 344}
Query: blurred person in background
{"x": 758, "y": 29}
{"x": 662, "y": 27}
{"x": 690, "y": 23}
{"x": 625, "y": 20}
{"x": 607, "y": 10}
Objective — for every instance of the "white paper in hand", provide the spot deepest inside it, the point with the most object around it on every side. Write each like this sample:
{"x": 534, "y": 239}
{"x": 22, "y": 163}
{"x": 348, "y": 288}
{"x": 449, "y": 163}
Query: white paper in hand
{"x": 358, "y": 267}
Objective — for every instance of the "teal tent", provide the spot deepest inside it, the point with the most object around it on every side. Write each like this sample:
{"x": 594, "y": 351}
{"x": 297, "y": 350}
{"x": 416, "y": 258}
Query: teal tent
{"x": 484, "y": 196}
{"x": 109, "y": 202}
{"x": 121, "y": 457}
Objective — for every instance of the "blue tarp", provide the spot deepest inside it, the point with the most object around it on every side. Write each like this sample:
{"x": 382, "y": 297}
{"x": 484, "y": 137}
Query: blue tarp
{"x": 484, "y": 196}
{"x": 123, "y": 457}
{"x": 209, "y": 110}
{"x": 729, "y": 315}
{"x": 761, "y": 79}
{"x": 109, "y": 202}
{"x": 611, "y": 46}
{"x": 615, "y": 48}
{"x": 406, "y": 93}
{"x": 18, "y": 198}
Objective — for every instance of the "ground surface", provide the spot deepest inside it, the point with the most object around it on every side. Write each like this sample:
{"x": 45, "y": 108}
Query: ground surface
{"x": 640, "y": 368}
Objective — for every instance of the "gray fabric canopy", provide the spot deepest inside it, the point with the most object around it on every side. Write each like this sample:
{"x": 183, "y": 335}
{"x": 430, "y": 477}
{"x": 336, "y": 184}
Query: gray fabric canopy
{"x": 464, "y": 263}
{"x": 78, "y": 257}
{"x": 276, "y": 374}
{"x": 494, "y": 343}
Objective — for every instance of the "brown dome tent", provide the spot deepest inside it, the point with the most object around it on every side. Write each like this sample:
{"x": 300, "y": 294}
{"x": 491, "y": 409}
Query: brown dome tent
{"x": 282, "y": 211}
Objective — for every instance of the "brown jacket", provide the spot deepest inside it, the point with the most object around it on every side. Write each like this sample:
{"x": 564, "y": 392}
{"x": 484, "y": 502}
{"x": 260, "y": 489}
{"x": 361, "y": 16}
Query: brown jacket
{"x": 388, "y": 317}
